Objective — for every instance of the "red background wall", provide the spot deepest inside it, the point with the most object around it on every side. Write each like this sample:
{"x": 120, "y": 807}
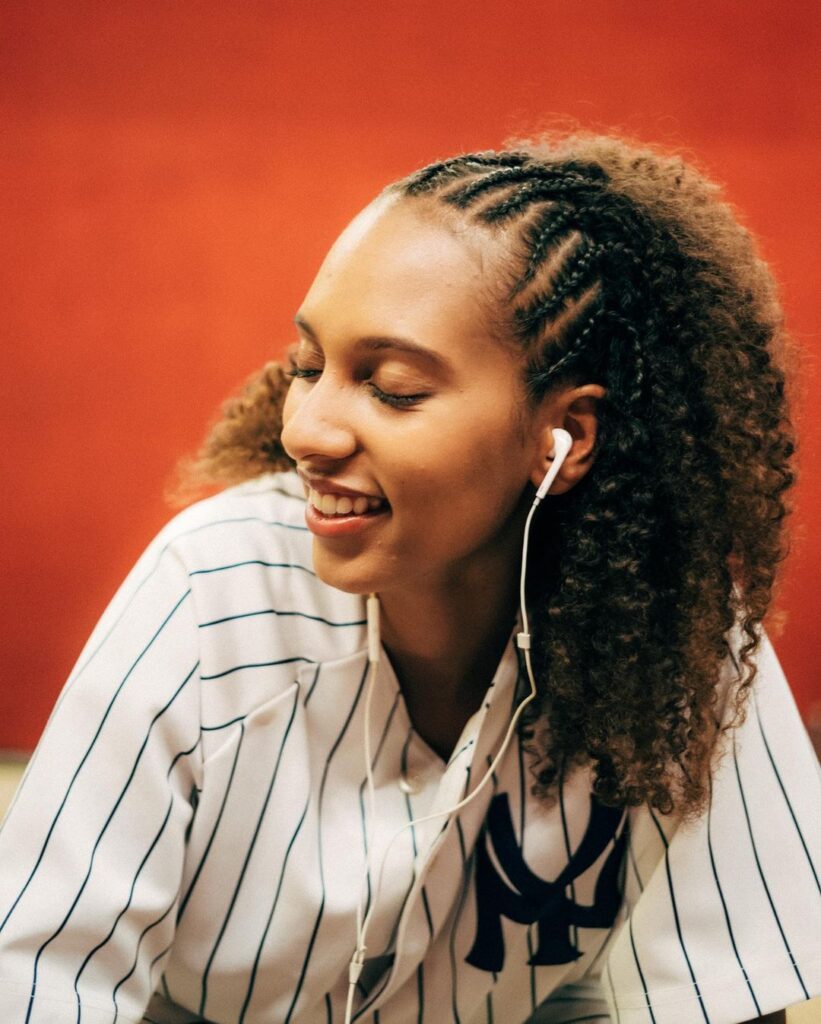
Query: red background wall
{"x": 173, "y": 173}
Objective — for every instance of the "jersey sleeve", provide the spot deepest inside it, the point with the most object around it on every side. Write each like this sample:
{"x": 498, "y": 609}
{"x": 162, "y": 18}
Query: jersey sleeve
{"x": 92, "y": 847}
{"x": 723, "y": 915}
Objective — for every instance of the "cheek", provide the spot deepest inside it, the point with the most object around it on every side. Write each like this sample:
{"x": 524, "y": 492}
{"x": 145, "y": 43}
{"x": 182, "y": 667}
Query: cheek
{"x": 468, "y": 480}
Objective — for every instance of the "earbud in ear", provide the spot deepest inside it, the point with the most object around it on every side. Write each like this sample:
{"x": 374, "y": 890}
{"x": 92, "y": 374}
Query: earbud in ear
{"x": 562, "y": 443}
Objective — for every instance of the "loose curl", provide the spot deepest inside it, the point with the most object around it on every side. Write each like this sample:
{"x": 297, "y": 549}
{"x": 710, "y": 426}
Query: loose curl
{"x": 623, "y": 267}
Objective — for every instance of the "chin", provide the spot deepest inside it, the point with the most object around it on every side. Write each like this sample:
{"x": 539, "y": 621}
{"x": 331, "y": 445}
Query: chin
{"x": 343, "y": 573}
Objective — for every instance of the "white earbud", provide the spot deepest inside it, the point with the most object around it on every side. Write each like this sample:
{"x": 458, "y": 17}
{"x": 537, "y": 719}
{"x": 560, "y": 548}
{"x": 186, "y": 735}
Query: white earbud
{"x": 562, "y": 443}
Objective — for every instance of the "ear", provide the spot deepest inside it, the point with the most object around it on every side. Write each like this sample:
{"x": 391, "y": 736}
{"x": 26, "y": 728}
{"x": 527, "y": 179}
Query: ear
{"x": 575, "y": 410}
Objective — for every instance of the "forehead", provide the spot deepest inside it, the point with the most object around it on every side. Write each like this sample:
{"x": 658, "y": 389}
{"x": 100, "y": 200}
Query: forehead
{"x": 401, "y": 268}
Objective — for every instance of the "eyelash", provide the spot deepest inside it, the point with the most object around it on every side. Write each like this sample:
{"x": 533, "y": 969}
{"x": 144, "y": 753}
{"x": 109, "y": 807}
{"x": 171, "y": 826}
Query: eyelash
{"x": 397, "y": 401}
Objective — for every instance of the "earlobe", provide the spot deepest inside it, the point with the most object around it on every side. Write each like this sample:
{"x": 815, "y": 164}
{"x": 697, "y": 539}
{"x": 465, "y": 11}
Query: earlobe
{"x": 562, "y": 443}
{"x": 563, "y": 480}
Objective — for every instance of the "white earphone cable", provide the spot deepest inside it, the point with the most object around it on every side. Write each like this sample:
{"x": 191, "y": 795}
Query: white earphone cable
{"x": 562, "y": 445}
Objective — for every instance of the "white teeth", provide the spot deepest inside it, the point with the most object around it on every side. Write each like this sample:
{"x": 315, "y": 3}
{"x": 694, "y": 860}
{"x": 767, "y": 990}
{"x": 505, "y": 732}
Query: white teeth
{"x": 342, "y": 505}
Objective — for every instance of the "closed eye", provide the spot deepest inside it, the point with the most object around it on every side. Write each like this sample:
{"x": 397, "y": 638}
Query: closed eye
{"x": 299, "y": 371}
{"x": 389, "y": 398}
{"x": 386, "y": 397}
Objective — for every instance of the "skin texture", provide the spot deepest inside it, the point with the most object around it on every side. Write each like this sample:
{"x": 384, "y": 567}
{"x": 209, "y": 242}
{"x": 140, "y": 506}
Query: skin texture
{"x": 457, "y": 466}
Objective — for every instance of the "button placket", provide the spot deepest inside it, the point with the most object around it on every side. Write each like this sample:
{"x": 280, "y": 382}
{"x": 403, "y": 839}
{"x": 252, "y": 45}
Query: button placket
{"x": 480, "y": 739}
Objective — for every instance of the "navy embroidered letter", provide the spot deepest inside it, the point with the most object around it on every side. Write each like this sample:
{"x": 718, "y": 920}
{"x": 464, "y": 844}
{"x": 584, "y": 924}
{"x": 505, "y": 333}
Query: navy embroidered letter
{"x": 533, "y": 899}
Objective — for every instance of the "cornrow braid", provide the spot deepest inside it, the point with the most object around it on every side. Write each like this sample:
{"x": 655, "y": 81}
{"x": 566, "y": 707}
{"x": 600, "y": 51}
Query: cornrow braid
{"x": 518, "y": 200}
{"x": 432, "y": 176}
{"x": 540, "y": 378}
{"x": 469, "y": 192}
{"x": 539, "y": 238}
{"x": 578, "y": 192}
{"x": 611, "y": 275}
{"x": 566, "y": 181}
{"x": 628, "y": 331}
{"x": 578, "y": 273}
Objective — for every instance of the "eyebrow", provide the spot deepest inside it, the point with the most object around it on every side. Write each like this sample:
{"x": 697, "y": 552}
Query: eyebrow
{"x": 379, "y": 342}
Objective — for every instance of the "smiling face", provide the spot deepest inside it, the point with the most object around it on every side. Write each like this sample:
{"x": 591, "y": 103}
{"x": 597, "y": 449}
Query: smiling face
{"x": 403, "y": 393}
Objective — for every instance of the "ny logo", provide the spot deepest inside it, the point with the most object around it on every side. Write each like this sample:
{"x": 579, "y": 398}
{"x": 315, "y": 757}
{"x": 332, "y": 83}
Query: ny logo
{"x": 532, "y": 900}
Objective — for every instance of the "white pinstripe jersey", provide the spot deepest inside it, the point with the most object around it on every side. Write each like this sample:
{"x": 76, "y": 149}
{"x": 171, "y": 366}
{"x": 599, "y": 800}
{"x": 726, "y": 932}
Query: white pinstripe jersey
{"x": 188, "y": 842}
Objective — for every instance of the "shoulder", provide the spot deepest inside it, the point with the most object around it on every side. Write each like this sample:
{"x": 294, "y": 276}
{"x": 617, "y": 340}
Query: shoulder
{"x": 263, "y": 618}
{"x": 769, "y": 705}
{"x": 719, "y": 908}
{"x": 244, "y": 531}
{"x": 248, "y": 558}
{"x": 268, "y": 511}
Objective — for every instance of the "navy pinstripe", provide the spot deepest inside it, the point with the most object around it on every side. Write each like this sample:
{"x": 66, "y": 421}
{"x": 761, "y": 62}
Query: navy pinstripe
{"x": 131, "y": 774}
{"x": 784, "y": 794}
{"x": 121, "y": 914}
{"x": 254, "y": 664}
{"x": 761, "y": 874}
{"x": 281, "y": 614}
{"x": 567, "y": 850}
{"x": 274, "y": 903}
{"x": 676, "y": 917}
{"x": 248, "y": 853}
{"x": 362, "y": 785}
{"x": 204, "y": 858}
{"x": 632, "y": 858}
{"x": 251, "y": 561}
{"x": 85, "y": 757}
{"x": 724, "y": 905}
{"x": 325, "y": 771}
{"x": 638, "y": 968}
{"x": 133, "y": 968}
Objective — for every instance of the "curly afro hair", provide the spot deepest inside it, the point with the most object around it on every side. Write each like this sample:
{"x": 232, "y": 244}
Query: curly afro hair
{"x": 621, "y": 266}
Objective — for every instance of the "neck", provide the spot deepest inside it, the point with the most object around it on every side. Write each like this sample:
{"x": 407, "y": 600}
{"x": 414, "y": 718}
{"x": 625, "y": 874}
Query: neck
{"x": 447, "y": 634}
{"x": 445, "y": 640}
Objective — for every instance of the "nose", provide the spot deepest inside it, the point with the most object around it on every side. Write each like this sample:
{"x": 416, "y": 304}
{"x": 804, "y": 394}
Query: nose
{"x": 316, "y": 421}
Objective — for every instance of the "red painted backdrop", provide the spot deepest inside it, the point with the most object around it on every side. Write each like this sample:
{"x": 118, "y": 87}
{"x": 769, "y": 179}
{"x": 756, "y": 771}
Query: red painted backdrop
{"x": 173, "y": 173}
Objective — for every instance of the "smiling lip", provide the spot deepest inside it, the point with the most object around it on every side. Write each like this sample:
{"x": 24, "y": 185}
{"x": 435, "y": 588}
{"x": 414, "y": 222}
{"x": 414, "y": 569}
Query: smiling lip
{"x": 341, "y": 526}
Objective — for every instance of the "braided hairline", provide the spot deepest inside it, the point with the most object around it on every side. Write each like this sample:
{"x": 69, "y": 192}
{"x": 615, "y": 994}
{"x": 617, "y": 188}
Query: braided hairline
{"x": 490, "y": 169}
{"x": 431, "y": 177}
{"x": 554, "y": 201}
{"x": 555, "y": 180}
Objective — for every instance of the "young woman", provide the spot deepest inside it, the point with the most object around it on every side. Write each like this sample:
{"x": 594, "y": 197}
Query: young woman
{"x": 455, "y": 706}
